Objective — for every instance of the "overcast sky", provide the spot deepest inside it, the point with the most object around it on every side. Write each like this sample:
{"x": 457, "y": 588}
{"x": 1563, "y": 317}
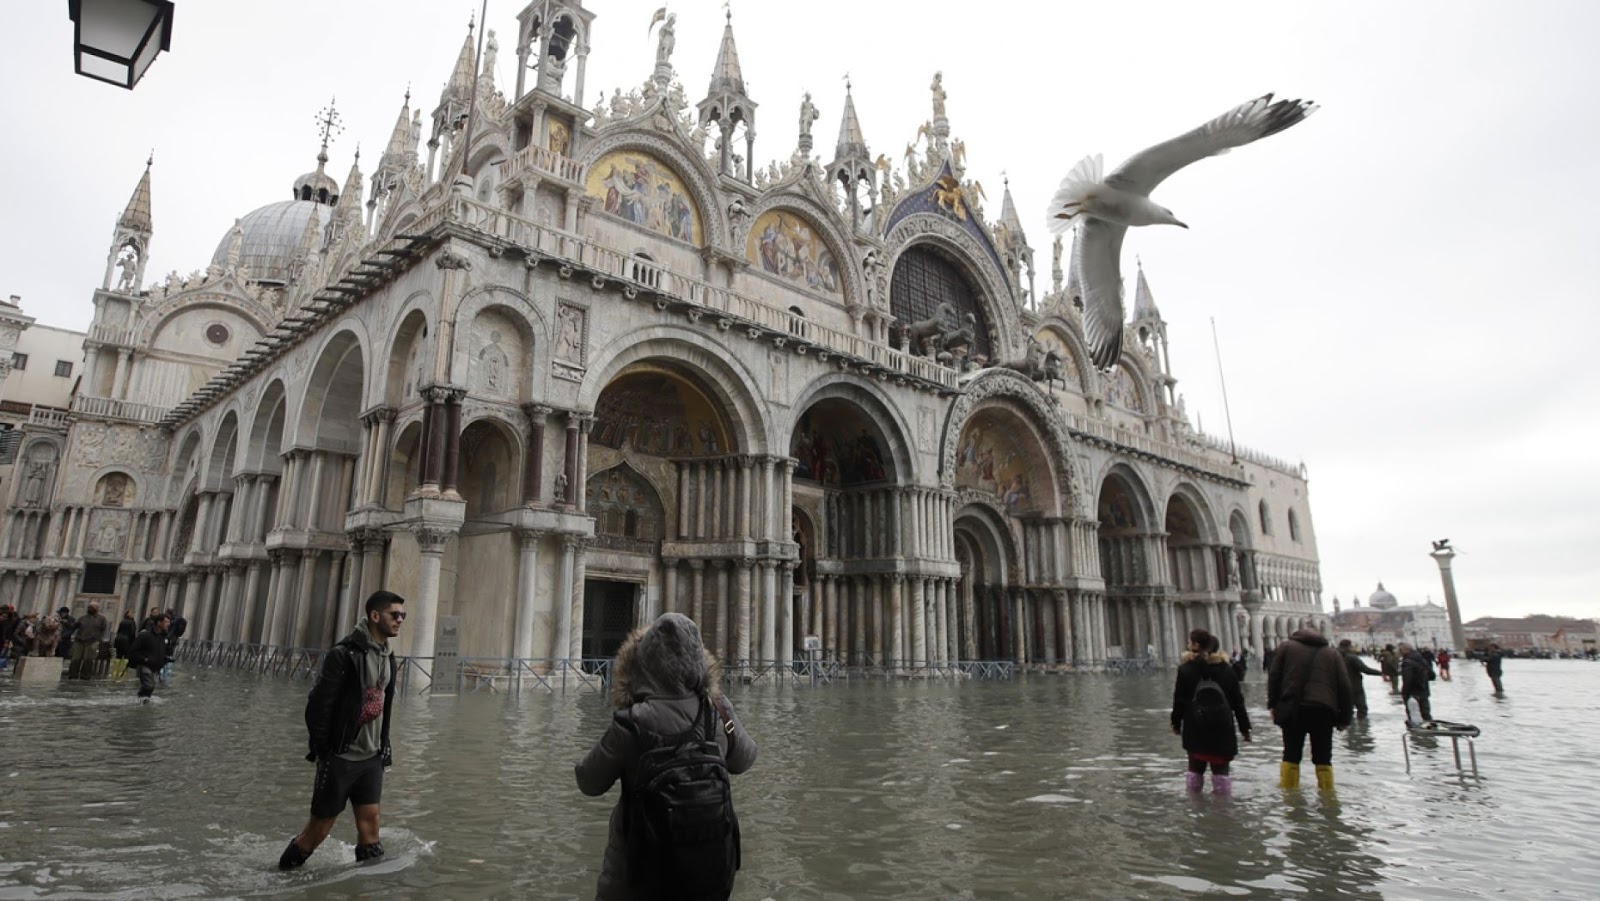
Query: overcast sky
{"x": 1404, "y": 285}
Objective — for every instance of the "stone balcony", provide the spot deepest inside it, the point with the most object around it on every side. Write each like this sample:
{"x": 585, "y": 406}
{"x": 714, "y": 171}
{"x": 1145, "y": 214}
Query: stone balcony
{"x": 110, "y": 408}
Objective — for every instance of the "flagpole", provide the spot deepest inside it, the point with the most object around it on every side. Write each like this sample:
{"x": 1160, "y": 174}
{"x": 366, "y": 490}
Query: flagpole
{"x": 1233, "y": 449}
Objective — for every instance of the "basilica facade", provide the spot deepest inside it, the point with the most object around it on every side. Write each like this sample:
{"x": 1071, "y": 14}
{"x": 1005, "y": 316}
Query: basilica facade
{"x": 550, "y": 369}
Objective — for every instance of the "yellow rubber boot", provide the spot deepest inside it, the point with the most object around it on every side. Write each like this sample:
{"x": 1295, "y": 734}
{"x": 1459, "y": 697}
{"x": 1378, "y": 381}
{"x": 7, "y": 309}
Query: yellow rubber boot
{"x": 1288, "y": 774}
{"x": 1325, "y": 777}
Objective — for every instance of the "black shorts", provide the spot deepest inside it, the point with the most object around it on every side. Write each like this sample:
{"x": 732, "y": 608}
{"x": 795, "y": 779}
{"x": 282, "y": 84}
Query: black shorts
{"x": 340, "y": 780}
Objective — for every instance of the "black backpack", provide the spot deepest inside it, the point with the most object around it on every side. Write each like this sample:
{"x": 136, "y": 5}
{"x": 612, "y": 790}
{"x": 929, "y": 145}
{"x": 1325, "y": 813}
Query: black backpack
{"x": 677, "y": 814}
{"x": 1209, "y": 704}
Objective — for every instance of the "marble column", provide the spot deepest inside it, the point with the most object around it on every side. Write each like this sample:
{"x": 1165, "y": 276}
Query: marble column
{"x": 561, "y": 648}
{"x": 305, "y": 613}
{"x": 450, "y": 475}
{"x": 669, "y": 585}
{"x": 785, "y": 598}
{"x": 423, "y": 614}
{"x": 744, "y": 609}
{"x": 533, "y": 456}
{"x": 919, "y": 622}
{"x": 527, "y": 592}
{"x": 251, "y": 599}
{"x": 897, "y": 620}
{"x": 769, "y": 612}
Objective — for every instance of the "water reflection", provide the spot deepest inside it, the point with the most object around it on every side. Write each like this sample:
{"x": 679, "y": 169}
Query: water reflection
{"x": 1044, "y": 788}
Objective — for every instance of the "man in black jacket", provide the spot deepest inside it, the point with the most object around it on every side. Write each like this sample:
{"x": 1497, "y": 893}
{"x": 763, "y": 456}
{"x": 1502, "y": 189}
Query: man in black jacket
{"x": 347, "y": 716}
{"x": 149, "y": 655}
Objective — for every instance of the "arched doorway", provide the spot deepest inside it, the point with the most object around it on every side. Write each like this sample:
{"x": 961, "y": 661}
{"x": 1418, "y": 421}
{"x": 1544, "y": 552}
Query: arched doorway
{"x": 1132, "y": 620}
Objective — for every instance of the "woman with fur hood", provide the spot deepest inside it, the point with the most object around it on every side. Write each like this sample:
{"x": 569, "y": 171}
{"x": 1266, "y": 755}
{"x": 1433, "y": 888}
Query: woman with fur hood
{"x": 1206, "y": 702}
{"x": 664, "y": 684}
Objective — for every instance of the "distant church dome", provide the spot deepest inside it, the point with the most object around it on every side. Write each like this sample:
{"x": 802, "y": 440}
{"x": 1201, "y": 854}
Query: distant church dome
{"x": 1383, "y": 600}
{"x": 271, "y": 238}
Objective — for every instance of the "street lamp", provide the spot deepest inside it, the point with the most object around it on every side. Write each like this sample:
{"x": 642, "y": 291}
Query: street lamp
{"x": 115, "y": 41}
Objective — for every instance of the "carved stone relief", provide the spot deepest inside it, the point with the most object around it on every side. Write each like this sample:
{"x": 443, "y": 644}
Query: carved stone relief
{"x": 572, "y": 341}
{"x": 106, "y": 532}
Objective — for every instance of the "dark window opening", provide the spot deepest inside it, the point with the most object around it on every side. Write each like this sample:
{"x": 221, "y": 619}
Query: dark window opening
{"x": 923, "y": 279}
{"x": 99, "y": 578}
{"x": 64, "y": 369}
{"x": 19, "y": 361}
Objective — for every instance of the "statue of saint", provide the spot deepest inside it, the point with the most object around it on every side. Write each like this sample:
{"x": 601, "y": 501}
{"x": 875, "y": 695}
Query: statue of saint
{"x": 666, "y": 40}
{"x": 808, "y": 115}
{"x": 938, "y": 95}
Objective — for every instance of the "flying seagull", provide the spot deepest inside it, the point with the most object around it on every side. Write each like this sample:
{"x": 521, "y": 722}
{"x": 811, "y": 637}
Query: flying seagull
{"x": 1103, "y": 208}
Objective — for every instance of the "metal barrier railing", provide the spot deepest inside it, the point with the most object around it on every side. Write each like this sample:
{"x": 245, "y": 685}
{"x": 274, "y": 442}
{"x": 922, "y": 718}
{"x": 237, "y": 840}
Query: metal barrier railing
{"x": 514, "y": 675}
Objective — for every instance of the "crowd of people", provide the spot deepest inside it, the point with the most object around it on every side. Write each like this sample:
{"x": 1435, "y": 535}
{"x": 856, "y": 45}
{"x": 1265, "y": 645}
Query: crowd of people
{"x": 89, "y": 644}
{"x": 1313, "y": 689}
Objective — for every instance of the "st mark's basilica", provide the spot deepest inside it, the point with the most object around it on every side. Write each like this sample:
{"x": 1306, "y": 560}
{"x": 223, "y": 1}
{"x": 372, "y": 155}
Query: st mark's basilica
{"x": 549, "y": 369}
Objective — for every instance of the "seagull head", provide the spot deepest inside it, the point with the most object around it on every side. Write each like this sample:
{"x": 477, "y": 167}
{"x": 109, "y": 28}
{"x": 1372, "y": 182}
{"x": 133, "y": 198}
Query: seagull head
{"x": 1172, "y": 220}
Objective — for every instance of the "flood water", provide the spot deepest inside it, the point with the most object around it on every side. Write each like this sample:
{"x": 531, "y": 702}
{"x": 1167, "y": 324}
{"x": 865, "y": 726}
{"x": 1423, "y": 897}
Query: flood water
{"x": 1045, "y": 787}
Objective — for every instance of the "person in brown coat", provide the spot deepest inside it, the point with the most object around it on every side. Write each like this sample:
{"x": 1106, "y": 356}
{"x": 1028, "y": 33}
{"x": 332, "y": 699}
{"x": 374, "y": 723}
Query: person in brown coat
{"x": 664, "y": 683}
{"x": 1308, "y": 695}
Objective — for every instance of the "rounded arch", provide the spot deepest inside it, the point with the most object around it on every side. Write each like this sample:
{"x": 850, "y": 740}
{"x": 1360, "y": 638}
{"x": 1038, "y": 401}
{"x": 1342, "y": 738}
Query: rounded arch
{"x": 989, "y": 559}
{"x": 333, "y": 397}
{"x": 1239, "y": 528}
{"x": 219, "y": 465}
{"x": 692, "y": 170}
{"x": 266, "y": 430}
{"x": 929, "y": 230}
{"x": 1206, "y": 526}
{"x": 471, "y": 363}
{"x": 403, "y": 453}
{"x": 814, "y": 255}
{"x": 1001, "y": 454}
{"x": 712, "y": 365}
{"x": 490, "y": 454}
{"x": 410, "y": 352}
{"x": 253, "y": 312}
{"x": 1013, "y": 386}
{"x": 1129, "y": 385}
{"x": 186, "y": 465}
{"x": 893, "y": 433}
{"x": 1123, "y": 503}
{"x": 107, "y": 490}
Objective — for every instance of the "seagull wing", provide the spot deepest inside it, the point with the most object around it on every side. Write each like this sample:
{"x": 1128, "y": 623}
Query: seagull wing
{"x": 1097, "y": 255}
{"x": 1237, "y": 127}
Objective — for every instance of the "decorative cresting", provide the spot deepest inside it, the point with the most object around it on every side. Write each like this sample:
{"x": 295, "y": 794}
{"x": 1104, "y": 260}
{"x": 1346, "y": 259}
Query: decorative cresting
{"x": 1004, "y": 383}
{"x": 936, "y": 230}
{"x": 696, "y": 177}
{"x": 943, "y": 198}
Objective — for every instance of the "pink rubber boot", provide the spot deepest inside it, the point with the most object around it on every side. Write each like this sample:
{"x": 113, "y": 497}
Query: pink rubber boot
{"x": 1193, "y": 781}
{"x": 1221, "y": 785}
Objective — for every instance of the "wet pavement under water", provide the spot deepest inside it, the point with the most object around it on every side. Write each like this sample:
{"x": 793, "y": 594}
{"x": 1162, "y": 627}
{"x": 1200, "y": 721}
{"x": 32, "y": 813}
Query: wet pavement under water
{"x": 1044, "y": 787}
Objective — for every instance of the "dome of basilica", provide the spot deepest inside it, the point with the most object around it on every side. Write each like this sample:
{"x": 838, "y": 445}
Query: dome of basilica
{"x": 270, "y": 238}
{"x": 1382, "y": 599}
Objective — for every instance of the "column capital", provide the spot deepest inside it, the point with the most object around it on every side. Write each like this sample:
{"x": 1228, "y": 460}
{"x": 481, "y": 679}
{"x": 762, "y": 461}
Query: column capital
{"x": 697, "y": 564}
{"x": 573, "y": 541}
{"x": 537, "y": 411}
{"x": 431, "y": 539}
{"x": 744, "y": 563}
{"x": 669, "y": 562}
{"x": 530, "y": 536}
{"x": 379, "y": 413}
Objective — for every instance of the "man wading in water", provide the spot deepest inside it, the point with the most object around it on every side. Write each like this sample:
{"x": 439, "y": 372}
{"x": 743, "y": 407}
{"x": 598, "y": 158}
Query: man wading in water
{"x": 347, "y": 715}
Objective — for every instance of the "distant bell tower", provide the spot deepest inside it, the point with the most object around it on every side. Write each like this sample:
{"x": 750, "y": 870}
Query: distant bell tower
{"x": 852, "y": 162}
{"x": 1152, "y": 332}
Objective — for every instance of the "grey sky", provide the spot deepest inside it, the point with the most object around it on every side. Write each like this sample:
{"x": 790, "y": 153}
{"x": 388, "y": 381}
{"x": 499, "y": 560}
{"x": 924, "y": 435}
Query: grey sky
{"x": 1403, "y": 285}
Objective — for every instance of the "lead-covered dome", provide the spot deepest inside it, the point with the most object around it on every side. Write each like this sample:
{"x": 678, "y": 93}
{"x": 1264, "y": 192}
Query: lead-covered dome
{"x": 269, "y": 238}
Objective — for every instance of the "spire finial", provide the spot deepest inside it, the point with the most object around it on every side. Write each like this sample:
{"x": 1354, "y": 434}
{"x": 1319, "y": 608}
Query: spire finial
{"x": 151, "y": 160}
{"x": 329, "y": 124}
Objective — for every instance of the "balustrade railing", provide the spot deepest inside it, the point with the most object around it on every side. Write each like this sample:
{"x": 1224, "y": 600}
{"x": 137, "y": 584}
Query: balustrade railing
{"x": 49, "y": 417}
{"x": 742, "y": 310}
{"x": 111, "y": 408}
